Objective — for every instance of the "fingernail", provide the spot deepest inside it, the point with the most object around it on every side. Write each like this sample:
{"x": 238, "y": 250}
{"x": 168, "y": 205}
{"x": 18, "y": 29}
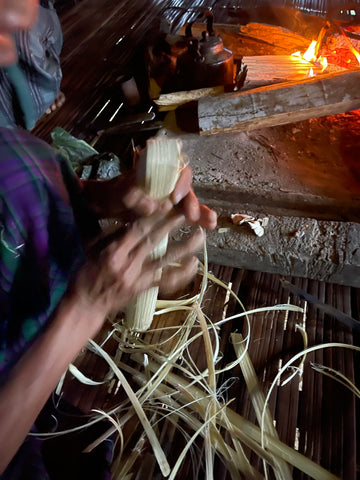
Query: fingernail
{"x": 146, "y": 206}
{"x": 212, "y": 219}
{"x": 177, "y": 198}
{"x": 131, "y": 197}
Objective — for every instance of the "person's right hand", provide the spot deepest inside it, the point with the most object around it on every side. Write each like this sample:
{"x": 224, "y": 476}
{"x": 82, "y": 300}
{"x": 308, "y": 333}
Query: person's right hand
{"x": 14, "y": 15}
{"x": 124, "y": 268}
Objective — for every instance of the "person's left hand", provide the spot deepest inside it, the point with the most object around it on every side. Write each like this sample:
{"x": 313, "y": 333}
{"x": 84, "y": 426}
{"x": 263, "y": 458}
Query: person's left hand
{"x": 121, "y": 268}
{"x": 182, "y": 196}
{"x": 119, "y": 197}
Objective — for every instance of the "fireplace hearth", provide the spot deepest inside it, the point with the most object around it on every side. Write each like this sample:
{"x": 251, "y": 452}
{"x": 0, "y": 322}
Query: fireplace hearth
{"x": 304, "y": 176}
{"x": 301, "y": 173}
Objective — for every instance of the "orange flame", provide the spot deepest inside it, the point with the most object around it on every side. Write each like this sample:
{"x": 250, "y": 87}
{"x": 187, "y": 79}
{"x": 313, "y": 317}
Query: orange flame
{"x": 310, "y": 55}
{"x": 324, "y": 63}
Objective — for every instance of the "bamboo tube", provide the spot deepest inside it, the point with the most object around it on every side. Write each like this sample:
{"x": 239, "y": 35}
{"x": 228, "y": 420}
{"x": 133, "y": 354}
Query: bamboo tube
{"x": 163, "y": 165}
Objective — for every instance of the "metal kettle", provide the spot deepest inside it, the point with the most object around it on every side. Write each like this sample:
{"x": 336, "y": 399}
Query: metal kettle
{"x": 206, "y": 63}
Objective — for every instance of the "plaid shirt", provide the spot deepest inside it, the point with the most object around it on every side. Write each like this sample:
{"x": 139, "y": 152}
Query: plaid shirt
{"x": 40, "y": 246}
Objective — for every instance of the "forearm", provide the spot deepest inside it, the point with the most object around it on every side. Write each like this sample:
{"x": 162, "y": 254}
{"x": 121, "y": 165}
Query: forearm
{"x": 38, "y": 371}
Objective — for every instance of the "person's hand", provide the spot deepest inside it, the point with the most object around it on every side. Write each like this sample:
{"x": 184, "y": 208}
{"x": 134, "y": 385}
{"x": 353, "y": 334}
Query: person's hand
{"x": 184, "y": 196}
{"x": 124, "y": 268}
{"x": 14, "y": 15}
{"x": 121, "y": 198}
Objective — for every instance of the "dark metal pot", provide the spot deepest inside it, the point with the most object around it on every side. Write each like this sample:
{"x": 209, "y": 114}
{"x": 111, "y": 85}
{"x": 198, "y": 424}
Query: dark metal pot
{"x": 206, "y": 63}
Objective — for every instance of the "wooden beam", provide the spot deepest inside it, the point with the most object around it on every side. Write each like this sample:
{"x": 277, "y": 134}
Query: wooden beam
{"x": 280, "y": 104}
{"x": 170, "y": 101}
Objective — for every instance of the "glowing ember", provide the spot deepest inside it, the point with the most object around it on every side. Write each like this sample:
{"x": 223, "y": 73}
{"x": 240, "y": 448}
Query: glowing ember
{"x": 353, "y": 50}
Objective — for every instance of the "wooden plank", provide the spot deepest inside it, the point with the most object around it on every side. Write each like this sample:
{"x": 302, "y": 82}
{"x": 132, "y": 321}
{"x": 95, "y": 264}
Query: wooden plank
{"x": 280, "y": 104}
{"x": 326, "y": 412}
{"x": 311, "y": 396}
{"x": 348, "y": 422}
{"x": 315, "y": 426}
{"x": 261, "y": 70}
{"x": 253, "y": 299}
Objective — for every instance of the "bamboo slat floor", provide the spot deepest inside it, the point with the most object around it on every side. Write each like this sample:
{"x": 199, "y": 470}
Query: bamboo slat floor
{"x": 313, "y": 413}
{"x": 101, "y": 44}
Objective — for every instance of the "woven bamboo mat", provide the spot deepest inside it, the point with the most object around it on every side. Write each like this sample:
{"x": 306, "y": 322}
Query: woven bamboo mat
{"x": 313, "y": 413}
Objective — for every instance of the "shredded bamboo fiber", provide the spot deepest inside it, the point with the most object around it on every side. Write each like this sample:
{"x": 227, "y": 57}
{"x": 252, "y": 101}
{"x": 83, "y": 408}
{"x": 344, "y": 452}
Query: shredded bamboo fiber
{"x": 171, "y": 391}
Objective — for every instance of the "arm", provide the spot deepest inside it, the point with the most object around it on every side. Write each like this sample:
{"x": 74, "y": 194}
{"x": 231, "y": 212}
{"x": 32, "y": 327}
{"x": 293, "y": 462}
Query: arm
{"x": 36, "y": 374}
{"x": 107, "y": 284}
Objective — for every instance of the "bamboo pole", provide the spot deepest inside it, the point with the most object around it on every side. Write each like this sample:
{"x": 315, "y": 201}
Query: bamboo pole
{"x": 163, "y": 164}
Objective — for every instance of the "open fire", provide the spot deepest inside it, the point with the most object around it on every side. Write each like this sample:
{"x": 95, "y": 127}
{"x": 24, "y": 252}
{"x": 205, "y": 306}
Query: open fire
{"x": 311, "y": 56}
{"x": 338, "y": 50}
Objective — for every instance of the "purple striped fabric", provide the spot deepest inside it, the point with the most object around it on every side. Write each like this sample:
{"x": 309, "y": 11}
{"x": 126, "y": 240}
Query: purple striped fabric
{"x": 40, "y": 246}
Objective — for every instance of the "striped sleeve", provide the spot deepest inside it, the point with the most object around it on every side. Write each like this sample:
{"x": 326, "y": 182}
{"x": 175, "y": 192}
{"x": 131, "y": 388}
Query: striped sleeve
{"x": 39, "y": 243}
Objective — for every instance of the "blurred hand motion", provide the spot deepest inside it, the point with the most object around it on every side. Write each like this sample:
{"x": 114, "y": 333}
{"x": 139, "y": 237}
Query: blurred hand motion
{"x": 124, "y": 268}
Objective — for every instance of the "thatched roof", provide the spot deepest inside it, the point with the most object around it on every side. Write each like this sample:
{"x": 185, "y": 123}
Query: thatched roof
{"x": 180, "y": 12}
